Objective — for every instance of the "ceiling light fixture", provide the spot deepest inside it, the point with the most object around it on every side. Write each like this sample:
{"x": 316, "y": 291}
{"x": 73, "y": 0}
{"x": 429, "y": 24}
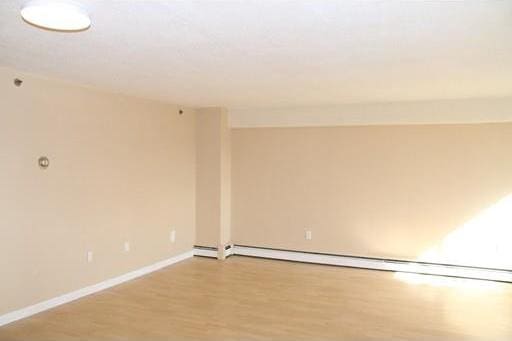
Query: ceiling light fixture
{"x": 58, "y": 15}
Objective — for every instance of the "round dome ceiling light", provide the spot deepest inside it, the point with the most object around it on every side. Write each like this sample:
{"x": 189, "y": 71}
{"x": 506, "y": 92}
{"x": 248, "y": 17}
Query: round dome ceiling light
{"x": 57, "y": 15}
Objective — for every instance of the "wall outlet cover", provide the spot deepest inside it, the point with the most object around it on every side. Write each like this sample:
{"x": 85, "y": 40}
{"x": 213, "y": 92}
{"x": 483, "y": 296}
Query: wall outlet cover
{"x": 308, "y": 235}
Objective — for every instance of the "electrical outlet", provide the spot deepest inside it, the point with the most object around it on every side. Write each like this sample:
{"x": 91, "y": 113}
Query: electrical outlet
{"x": 89, "y": 256}
{"x": 307, "y": 235}
{"x": 172, "y": 236}
{"x": 126, "y": 246}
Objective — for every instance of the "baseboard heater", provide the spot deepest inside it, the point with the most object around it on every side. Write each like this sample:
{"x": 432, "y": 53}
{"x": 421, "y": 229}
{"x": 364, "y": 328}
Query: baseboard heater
{"x": 205, "y": 251}
{"x": 212, "y": 252}
{"x": 425, "y": 268}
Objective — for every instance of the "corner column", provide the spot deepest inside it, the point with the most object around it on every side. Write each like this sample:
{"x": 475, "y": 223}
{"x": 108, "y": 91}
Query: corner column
{"x": 213, "y": 179}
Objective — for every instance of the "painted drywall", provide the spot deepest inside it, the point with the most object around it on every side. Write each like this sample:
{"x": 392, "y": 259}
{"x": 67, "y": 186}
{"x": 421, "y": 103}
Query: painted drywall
{"x": 121, "y": 169}
{"x": 225, "y": 166}
{"x": 446, "y": 111}
{"x": 208, "y": 178}
{"x": 213, "y": 191}
{"x": 438, "y": 193}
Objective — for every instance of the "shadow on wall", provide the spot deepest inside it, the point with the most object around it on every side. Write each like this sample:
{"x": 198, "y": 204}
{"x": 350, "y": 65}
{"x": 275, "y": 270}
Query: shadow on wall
{"x": 483, "y": 241}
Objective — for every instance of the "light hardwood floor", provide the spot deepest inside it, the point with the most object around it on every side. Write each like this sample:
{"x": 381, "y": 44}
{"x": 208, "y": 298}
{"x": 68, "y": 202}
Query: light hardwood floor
{"x": 254, "y": 299}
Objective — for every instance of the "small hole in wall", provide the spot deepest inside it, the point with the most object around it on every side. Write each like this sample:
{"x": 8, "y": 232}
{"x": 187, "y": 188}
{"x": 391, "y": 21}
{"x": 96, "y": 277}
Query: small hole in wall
{"x": 180, "y": 112}
{"x": 18, "y": 82}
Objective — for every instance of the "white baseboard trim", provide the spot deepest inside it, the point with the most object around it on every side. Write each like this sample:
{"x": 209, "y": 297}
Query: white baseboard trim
{"x": 74, "y": 295}
{"x": 377, "y": 264}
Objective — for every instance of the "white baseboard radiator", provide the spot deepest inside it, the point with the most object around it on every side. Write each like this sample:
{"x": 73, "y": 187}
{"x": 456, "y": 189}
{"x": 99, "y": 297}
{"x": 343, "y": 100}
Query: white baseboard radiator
{"x": 501, "y": 275}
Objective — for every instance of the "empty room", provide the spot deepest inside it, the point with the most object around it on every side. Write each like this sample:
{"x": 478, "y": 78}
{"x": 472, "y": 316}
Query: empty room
{"x": 255, "y": 170}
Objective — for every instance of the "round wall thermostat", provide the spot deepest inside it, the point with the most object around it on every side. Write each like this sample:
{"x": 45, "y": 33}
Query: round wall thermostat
{"x": 43, "y": 162}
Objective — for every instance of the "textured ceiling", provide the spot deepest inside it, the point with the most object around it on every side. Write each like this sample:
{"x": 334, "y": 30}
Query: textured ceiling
{"x": 275, "y": 53}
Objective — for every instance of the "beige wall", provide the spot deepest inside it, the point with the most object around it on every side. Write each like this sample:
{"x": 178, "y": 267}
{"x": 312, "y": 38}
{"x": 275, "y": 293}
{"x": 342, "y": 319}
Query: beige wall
{"x": 225, "y": 165}
{"x": 381, "y": 191}
{"x": 208, "y": 178}
{"x": 439, "y": 111}
{"x": 122, "y": 169}
{"x": 213, "y": 213}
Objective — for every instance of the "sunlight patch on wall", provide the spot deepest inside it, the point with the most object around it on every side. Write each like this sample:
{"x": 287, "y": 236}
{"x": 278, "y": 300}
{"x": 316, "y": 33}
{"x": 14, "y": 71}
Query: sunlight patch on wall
{"x": 484, "y": 241}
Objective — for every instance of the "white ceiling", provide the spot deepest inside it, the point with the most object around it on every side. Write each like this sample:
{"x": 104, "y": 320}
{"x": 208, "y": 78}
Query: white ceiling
{"x": 251, "y": 53}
